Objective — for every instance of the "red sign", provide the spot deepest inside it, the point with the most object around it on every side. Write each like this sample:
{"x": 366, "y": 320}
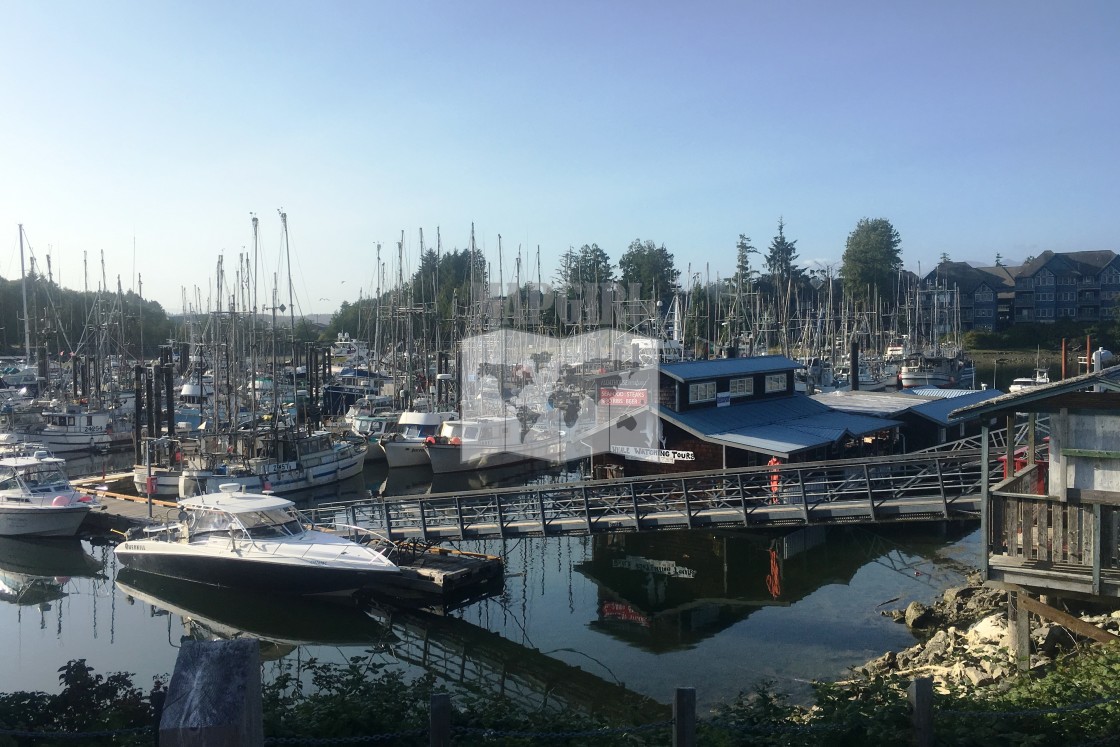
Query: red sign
{"x": 623, "y": 397}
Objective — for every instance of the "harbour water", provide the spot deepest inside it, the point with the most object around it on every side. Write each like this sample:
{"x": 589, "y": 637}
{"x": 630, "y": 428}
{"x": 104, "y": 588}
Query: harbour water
{"x": 580, "y": 621}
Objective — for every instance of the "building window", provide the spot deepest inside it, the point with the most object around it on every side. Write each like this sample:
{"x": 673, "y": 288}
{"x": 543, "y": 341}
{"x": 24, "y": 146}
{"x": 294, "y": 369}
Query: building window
{"x": 702, "y": 392}
{"x": 775, "y": 383}
{"x": 742, "y": 387}
{"x": 985, "y": 296}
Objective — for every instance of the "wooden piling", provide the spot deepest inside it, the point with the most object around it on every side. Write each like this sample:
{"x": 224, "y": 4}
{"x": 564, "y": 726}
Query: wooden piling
{"x": 214, "y": 698}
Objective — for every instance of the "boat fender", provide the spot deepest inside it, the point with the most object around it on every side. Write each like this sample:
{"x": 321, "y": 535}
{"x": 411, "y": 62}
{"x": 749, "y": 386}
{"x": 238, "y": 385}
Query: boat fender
{"x": 430, "y": 440}
{"x": 85, "y": 499}
{"x": 455, "y": 440}
{"x": 60, "y": 500}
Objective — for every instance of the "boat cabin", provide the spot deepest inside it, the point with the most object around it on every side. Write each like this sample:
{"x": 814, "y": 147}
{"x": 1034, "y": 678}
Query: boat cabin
{"x": 33, "y": 475}
{"x": 240, "y": 516}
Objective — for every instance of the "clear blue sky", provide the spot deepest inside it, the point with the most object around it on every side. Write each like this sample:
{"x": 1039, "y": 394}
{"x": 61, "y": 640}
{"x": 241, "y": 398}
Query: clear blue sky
{"x": 151, "y": 131}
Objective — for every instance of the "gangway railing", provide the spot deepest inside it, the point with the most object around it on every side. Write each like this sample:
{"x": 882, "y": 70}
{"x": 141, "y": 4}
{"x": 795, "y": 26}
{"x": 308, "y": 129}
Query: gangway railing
{"x": 909, "y": 487}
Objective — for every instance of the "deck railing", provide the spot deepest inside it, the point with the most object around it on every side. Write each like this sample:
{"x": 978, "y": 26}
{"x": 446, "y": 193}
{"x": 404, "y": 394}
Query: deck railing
{"x": 897, "y": 488}
{"x": 1036, "y": 539}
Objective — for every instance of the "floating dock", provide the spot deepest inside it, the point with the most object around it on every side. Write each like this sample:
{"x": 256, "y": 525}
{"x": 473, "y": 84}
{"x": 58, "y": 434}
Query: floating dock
{"x": 431, "y": 577}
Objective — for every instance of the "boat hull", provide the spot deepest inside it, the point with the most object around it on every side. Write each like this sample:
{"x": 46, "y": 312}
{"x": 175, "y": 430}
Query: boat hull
{"x": 405, "y": 453}
{"x": 164, "y": 482}
{"x": 448, "y": 458}
{"x": 251, "y": 573}
{"x": 68, "y": 442}
{"x": 277, "y": 479}
{"x": 42, "y": 521}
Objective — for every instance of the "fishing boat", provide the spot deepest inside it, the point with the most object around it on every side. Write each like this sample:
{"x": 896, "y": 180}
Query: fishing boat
{"x": 158, "y": 472}
{"x": 406, "y": 446}
{"x": 942, "y": 367}
{"x": 373, "y": 428}
{"x": 37, "y": 499}
{"x": 485, "y": 442}
{"x": 280, "y": 461}
{"x": 258, "y": 542}
{"x": 937, "y": 357}
{"x": 70, "y": 427}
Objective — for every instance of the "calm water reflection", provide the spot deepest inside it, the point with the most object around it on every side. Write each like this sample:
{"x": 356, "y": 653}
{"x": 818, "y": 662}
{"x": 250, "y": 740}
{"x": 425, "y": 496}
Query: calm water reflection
{"x": 610, "y": 622}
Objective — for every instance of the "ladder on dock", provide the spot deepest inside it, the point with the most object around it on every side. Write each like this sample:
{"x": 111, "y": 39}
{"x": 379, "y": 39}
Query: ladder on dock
{"x": 911, "y": 487}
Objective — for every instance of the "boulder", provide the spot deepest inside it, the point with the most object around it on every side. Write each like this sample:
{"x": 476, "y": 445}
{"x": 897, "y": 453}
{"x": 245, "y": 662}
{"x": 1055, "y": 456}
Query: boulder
{"x": 918, "y": 615}
{"x": 990, "y": 629}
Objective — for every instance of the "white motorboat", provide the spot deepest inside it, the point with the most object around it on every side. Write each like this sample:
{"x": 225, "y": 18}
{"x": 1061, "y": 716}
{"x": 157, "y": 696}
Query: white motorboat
{"x": 1041, "y": 377}
{"x": 37, "y": 499}
{"x": 405, "y": 447}
{"x": 259, "y": 542}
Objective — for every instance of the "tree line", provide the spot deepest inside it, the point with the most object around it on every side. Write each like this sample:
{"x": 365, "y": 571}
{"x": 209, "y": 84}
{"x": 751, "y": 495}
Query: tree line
{"x": 65, "y": 321}
{"x": 455, "y": 293}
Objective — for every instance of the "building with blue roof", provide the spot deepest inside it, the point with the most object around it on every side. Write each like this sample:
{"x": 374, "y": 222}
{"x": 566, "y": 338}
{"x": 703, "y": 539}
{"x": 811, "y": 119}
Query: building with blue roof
{"x": 741, "y": 412}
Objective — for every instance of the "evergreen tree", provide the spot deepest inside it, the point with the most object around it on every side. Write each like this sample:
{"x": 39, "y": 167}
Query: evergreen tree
{"x": 872, "y": 259}
{"x": 743, "y": 271}
{"x": 652, "y": 267}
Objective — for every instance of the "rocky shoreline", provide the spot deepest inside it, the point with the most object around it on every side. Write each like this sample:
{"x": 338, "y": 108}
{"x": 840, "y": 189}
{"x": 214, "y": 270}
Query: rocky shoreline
{"x": 967, "y": 639}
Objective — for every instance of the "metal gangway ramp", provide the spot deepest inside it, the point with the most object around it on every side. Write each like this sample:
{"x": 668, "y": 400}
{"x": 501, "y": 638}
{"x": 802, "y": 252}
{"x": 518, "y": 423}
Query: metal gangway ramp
{"x": 932, "y": 485}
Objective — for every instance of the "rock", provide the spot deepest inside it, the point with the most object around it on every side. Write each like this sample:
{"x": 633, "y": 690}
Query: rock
{"x": 918, "y": 615}
{"x": 957, "y": 594}
{"x": 935, "y": 648}
{"x": 883, "y": 664}
{"x": 1056, "y": 640}
{"x": 978, "y": 676}
{"x": 991, "y": 629}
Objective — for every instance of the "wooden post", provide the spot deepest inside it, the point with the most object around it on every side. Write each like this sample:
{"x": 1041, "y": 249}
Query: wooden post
{"x": 439, "y": 724}
{"x": 985, "y": 501}
{"x": 1019, "y": 631}
{"x": 920, "y": 695}
{"x": 214, "y": 698}
{"x": 684, "y": 717}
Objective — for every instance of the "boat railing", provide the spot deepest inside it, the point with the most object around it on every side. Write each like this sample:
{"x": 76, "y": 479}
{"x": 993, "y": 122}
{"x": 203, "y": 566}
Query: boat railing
{"x": 361, "y": 535}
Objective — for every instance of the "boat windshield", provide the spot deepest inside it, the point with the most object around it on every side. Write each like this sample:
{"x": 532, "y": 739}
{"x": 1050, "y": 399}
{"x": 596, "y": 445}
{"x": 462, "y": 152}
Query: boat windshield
{"x": 40, "y": 477}
{"x": 277, "y": 522}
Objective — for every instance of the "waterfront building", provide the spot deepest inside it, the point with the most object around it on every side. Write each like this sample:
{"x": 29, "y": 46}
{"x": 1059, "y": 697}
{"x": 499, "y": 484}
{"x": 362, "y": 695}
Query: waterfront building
{"x": 1054, "y": 286}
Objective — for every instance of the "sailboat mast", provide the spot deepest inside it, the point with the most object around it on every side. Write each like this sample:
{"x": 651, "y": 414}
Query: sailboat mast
{"x": 253, "y": 332}
{"x": 26, "y": 318}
